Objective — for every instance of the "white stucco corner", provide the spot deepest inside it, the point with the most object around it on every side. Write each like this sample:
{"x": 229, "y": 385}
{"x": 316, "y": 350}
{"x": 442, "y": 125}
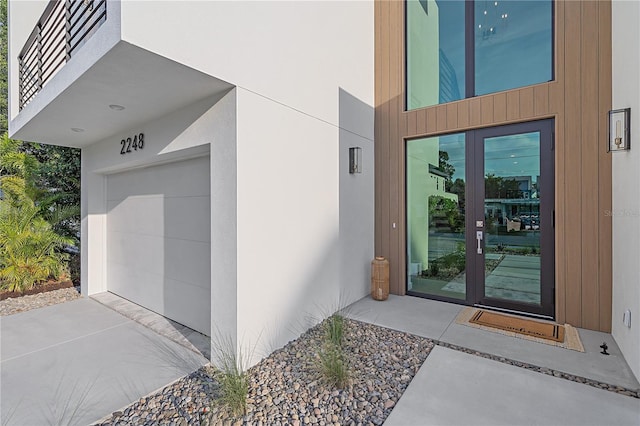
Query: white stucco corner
{"x": 625, "y": 213}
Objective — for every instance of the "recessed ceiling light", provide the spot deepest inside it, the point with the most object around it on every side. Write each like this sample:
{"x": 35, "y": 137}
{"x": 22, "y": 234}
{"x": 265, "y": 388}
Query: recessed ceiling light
{"x": 77, "y": 130}
{"x": 116, "y": 107}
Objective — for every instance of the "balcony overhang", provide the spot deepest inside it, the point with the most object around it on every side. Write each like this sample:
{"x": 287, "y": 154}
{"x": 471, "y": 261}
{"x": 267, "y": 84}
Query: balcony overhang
{"x": 147, "y": 85}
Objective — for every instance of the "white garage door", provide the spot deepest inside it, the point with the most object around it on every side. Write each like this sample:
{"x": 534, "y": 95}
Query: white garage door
{"x": 158, "y": 240}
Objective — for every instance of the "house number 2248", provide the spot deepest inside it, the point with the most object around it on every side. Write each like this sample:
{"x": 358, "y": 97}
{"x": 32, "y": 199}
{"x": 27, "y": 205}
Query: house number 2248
{"x": 132, "y": 144}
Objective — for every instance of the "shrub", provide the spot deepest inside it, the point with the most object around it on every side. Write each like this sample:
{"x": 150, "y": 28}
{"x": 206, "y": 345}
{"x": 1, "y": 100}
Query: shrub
{"x": 332, "y": 361}
{"x": 232, "y": 376}
{"x": 30, "y": 252}
{"x": 334, "y": 329}
{"x": 434, "y": 269}
{"x": 333, "y": 365}
{"x": 234, "y": 385}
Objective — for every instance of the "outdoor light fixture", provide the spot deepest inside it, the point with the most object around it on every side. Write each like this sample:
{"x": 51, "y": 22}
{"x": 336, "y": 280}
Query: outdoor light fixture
{"x": 116, "y": 107}
{"x": 619, "y": 130}
{"x": 355, "y": 160}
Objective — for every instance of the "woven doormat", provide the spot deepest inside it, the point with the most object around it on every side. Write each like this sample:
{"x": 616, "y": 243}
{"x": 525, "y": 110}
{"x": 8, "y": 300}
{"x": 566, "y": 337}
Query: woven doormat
{"x": 549, "y": 333}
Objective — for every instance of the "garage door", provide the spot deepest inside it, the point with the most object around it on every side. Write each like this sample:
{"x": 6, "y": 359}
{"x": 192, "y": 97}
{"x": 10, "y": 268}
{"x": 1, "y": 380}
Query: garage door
{"x": 158, "y": 240}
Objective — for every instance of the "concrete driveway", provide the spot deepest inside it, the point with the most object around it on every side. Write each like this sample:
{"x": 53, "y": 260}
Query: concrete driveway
{"x": 76, "y": 362}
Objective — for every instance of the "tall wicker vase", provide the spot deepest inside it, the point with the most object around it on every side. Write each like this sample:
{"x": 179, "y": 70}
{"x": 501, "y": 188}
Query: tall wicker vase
{"x": 380, "y": 278}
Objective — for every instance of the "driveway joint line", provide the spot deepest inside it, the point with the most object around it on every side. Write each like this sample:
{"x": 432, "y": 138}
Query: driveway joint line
{"x": 65, "y": 342}
{"x": 448, "y": 326}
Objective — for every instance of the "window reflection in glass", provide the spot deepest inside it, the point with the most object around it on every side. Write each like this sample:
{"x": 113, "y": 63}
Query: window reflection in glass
{"x": 513, "y": 44}
{"x": 512, "y": 217}
{"x": 435, "y": 52}
{"x": 436, "y": 216}
{"x": 512, "y": 47}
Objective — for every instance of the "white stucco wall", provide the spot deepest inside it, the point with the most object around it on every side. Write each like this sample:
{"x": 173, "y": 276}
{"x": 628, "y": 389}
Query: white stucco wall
{"x": 304, "y": 78}
{"x": 626, "y": 183}
{"x": 305, "y": 226}
{"x": 294, "y": 52}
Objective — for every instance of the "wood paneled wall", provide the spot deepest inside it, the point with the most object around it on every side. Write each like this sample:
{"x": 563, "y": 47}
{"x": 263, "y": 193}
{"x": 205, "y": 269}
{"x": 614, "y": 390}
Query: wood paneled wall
{"x": 578, "y": 99}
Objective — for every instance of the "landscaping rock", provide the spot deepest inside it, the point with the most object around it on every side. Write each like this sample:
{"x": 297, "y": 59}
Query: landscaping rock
{"x": 15, "y": 305}
{"x": 286, "y": 388}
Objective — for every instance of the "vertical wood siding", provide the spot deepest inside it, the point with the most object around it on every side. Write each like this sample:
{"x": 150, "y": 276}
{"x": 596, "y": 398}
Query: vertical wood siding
{"x": 579, "y": 99}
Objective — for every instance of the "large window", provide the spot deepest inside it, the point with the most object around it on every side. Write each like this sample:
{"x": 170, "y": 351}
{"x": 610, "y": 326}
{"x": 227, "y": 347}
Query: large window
{"x": 436, "y": 184}
{"x": 458, "y": 49}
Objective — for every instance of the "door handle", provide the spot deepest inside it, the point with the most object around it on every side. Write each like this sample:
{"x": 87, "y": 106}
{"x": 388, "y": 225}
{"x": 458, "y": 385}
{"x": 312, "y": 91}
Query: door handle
{"x": 479, "y": 236}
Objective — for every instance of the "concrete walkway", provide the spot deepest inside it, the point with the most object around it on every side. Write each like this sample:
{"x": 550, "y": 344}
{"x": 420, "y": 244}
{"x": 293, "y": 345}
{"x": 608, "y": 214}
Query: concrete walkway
{"x": 456, "y": 388}
{"x": 75, "y": 362}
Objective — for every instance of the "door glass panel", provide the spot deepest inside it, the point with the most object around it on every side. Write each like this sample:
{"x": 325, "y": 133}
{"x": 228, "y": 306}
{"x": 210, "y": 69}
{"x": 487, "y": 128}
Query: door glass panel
{"x": 436, "y": 216}
{"x": 512, "y": 217}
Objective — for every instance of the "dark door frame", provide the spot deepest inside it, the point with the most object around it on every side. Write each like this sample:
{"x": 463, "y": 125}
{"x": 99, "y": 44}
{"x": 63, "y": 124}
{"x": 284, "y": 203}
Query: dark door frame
{"x": 475, "y": 194}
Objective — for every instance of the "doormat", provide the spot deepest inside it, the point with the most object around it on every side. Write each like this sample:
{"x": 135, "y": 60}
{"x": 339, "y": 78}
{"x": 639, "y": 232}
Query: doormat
{"x": 564, "y": 336}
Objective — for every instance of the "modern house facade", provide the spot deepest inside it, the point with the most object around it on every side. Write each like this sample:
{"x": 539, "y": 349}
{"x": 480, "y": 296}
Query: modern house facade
{"x": 215, "y": 141}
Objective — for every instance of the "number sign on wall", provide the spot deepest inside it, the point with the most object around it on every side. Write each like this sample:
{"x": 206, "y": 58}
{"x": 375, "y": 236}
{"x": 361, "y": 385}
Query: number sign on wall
{"x": 129, "y": 145}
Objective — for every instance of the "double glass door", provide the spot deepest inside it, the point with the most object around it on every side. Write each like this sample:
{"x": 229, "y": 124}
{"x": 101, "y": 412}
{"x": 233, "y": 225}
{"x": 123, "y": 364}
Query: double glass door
{"x": 480, "y": 217}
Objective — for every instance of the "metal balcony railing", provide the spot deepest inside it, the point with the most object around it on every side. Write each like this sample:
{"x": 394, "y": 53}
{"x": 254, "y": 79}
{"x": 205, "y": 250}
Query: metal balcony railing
{"x": 62, "y": 29}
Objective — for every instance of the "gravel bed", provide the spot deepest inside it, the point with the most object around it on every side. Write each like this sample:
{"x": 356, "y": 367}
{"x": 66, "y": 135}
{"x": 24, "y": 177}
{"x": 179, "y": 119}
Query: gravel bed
{"x": 286, "y": 389}
{"x": 185, "y": 402}
{"x": 547, "y": 371}
{"x": 25, "y": 303}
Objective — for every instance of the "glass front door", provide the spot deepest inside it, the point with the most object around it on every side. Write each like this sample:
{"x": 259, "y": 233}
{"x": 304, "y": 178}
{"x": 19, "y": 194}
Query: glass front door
{"x": 513, "y": 217}
{"x": 436, "y": 217}
{"x": 480, "y": 217}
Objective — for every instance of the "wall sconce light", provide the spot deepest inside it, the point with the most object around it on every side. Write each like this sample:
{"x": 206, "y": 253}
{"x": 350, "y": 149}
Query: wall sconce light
{"x": 355, "y": 160}
{"x": 619, "y": 130}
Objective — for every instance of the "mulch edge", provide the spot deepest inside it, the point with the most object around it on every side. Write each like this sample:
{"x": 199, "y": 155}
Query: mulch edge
{"x": 38, "y": 288}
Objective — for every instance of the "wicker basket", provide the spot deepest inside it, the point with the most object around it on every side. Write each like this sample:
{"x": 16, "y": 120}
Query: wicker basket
{"x": 380, "y": 278}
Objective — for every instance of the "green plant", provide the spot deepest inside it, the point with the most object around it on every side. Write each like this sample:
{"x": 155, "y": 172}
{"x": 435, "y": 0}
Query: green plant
{"x": 334, "y": 329}
{"x": 234, "y": 387}
{"x": 52, "y": 185}
{"x": 443, "y": 211}
{"x": 332, "y": 361}
{"x": 29, "y": 249}
{"x": 333, "y": 365}
{"x": 434, "y": 269}
{"x": 232, "y": 376}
